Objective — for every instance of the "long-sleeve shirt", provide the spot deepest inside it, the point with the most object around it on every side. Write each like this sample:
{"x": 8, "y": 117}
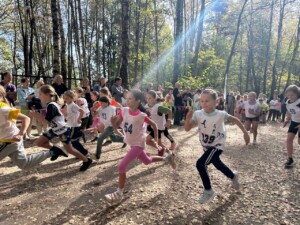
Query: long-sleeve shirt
{"x": 117, "y": 92}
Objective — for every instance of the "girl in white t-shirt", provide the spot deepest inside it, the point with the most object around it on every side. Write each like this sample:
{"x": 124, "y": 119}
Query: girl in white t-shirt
{"x": 11, "y": 137}
{"x": 59, "y": 127}
{"x": 252, "y": 112}
{"x": 212, "y": 136}
{"x": 105, "y": 113}
{"x": 293, "y": 116}
{"x": 134, "y": 123}
{"x": 73, "y": 114}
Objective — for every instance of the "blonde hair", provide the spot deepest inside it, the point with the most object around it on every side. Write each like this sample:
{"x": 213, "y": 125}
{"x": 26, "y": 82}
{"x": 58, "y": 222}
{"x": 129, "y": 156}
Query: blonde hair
{"x": 79, "y": 90}
{"x": 56, "y": 78}
{"x": 70, "y": 94}
{"x": 49, "y": 90}
{"x": 252, "y": 93}
{"x": 3, "y": 94}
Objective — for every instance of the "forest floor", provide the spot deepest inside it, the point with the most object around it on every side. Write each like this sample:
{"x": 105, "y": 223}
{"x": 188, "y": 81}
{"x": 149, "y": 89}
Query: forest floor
{"x": 57, "y": 193}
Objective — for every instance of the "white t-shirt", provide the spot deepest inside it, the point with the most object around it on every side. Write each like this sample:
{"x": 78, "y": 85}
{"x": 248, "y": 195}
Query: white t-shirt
{"x": 249, "y": 107}
{"x": 134, "y": 127}
{"x": 294, "y": 109}
{"x": 105, "y": 115}
{"x": 8, "y": 125}
{"x": 160, "y": 120}
{"x": 72, "y": 115}
{"x": 85, "y": 107}
{"x": 273, "y": 104}
{"x": 211, "y": 127}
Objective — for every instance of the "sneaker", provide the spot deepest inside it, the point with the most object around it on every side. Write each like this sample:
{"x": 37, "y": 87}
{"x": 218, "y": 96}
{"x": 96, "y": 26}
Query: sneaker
{"x": 173, "y": 146}
{"x": 56, "y": 152}
{"x": 86, "y": 165}
{"x": 94, "y": 157}
{"x": 289, "y": 162}
{"x": 235, "y": 181}
{"x": 114, "y": 198}
{"x": 254, "y": 142}
{"x": 108, "y": 142}
{"x": 170, "y": 159}
{"x": 207, "y": 196}
{"x": 83, "y": 137}
{"x": 161, "y": 152}
{"x": 124, "y": 145}
{"x": 95, "y": 139}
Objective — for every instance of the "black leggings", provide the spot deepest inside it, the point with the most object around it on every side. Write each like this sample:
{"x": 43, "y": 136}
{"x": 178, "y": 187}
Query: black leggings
{"x": 211, "y": 155}
{"x": 168, "y": 135}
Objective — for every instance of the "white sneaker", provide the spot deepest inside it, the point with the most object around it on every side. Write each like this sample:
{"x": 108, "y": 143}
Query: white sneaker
{"x": 207, "y": 196}
{"x": 254, "y": 142}
{"x": 170, "y": 159}
{"x": 235, "y": 181}
{"x": 114, "y": 198}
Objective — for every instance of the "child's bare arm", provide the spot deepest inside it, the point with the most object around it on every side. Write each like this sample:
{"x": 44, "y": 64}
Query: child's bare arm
{"x": 25, "y": 123}
{"x": 236, "y": 121}
{"x": 189, "y": 123}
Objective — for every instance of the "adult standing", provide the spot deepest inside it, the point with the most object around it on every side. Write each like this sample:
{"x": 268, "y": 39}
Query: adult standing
{"x": 25, "y": 95}
{"x": 117, "y": 90}
{"x": 102, "y": 83}
{"x": 178, "y": 104}
{"x": 230, "y": 101}
{"x": 59, "y": 86}
{"x": 11, "y": 90}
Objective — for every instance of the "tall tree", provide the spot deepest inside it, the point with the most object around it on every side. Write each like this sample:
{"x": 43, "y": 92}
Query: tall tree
{"x": 125, "y": 42}
{"x": 62, "y": 44}
{"x": 55, "y": 33}
{"x": 178, "y": 41}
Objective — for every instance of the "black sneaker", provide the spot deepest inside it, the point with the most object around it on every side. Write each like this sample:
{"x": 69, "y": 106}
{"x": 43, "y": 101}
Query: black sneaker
{"x": 107, "y": 143}
{"x": 86, "y": 165}
{"x": 289, "y": 163}
{"x": 57, "y": 152}
{"x": 124, "y": 145}
{"x": 83, "y": 137}
{"x": 95, "y": 139}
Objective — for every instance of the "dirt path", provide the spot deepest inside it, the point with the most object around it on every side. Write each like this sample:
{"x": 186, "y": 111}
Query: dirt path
{"x": 57, "y": 193}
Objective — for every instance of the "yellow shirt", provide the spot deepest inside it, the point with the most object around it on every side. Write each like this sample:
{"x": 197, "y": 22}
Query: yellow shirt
{"x": 8, "y": 127}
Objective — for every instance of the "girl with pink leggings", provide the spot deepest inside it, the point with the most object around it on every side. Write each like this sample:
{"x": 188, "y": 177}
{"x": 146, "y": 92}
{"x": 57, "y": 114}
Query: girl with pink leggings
{"x": 134, "y": 123}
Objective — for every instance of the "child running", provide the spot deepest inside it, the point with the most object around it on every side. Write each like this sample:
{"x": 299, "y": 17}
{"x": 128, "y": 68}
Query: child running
{"x": 73, "y": 115}
{"x": 11, "y": 137}
{"x": 58, "y": 125}
{"x": 106, "y": 112}
{"x": 293, "y": 116}
{"x": 212, "y": 135}
{"x": 134, "y": 124}
{"x": 252, "y": 112}
{"x": 157, "y": 114}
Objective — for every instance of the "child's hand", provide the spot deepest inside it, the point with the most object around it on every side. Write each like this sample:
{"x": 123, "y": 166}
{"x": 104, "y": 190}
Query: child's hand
{"x": 246, "y": 138}
{"x": 168, "y": 124}
{"x": 79, "y": 120}
{"x": 189, "y": 115}
{"x": 286, "y": 122}
{"x": 114, "y": 120}
{"x": 17, "y": 137}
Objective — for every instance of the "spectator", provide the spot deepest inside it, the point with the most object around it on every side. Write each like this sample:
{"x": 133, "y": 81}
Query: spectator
{"x": 178, "y": 104}
{"x": 11, "y": 90}
{"x": 59, "y": 86}
{"x": 117, "y": 90}
{"x": 197, "y": 95}
{"x": 230, "y": 102}
{"x": 102, "y": 83}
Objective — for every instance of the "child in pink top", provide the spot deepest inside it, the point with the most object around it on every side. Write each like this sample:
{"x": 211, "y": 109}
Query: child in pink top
{"x": 134, "y": 123}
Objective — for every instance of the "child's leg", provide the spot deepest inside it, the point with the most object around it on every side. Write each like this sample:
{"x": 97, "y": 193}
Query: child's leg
{"x": 44, "y": 142}
{"x": 289, "y": 144}
{"x": 201, "y": 165}
{"x": 18, "y": 155}
{"x": 168, "y": 135}
{"x": 216, "y": 161}
{"x": 76, "y": 134}
{"x": 74, "y": 152}
{"x": 247, "y": 125}
{"x": 254, "y": 129}
{"x": 106, "y": 133}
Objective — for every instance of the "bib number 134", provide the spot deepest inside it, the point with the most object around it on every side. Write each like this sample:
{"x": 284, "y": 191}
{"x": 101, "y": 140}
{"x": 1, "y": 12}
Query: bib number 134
{"x": 128, "y": 128}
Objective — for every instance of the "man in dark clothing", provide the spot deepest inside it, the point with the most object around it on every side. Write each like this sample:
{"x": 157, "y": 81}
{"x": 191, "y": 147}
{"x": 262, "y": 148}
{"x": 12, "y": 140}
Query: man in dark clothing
{"x": 11, "y": 90}
{"x": 178, "y": 104}
{"x": 117, "y": 90}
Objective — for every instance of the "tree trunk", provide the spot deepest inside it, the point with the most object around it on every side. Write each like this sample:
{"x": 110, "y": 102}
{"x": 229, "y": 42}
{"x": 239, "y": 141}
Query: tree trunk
{"x": 156, "y": 40}
{"x": 233, "y": 46}
{"x": 178, "y": 43}
{"x": 137, "y": 40}
{"x": 143, "y": 42}
{"x": 125, "y": 43}
{"x": 199, "y": 35}
{"x": 278, "y": 46}
{"x": 84, "y": 70}
{"x": 55, "y": 32}
{"x": 268, "y": 49}
{"x": 62, "y": 44}
{"x": 295, "y": 53}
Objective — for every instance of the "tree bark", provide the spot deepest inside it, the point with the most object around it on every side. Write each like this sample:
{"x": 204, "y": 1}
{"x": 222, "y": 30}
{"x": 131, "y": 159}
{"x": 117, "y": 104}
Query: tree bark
{"x": 125, "y": 43}
{"x": 62, "y": 44}
{"x": 137, "y": 39}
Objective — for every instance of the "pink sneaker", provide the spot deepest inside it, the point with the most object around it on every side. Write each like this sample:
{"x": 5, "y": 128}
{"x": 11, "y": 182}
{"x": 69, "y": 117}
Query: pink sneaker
{"x": 173, "y": 146}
